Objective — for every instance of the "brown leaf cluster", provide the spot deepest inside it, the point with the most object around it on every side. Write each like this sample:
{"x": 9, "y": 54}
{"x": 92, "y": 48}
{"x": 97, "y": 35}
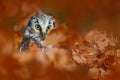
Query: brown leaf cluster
{"x": 98, "y": 51}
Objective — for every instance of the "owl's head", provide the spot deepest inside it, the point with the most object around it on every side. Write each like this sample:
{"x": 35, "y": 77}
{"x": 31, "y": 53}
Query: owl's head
{"x": 41, "y": 24}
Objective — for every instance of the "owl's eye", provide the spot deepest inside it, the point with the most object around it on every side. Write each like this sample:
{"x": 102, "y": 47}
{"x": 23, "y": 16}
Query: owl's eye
{"x": 48, "y": 27}
{"x": 37, "y": 27}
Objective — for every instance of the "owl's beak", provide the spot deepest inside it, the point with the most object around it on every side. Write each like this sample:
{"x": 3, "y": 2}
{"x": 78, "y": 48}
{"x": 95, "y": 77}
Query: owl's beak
{"x": 43, "y": 36}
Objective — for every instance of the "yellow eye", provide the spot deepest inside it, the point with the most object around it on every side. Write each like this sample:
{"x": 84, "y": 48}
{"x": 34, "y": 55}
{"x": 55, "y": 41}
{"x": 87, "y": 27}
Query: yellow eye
{"x": 37, "y": 27}
{"x": 48, "y": 27}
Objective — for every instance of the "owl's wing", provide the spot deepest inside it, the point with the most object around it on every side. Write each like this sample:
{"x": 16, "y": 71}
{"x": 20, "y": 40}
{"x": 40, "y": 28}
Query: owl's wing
{"x": 24, "y": 44}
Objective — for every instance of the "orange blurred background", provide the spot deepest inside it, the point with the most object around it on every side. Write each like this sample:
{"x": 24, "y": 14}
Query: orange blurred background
{"x": 75, "y": 13}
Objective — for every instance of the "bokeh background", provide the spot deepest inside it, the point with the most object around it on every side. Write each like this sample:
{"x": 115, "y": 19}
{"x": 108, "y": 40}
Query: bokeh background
{"x": 78, "y": 13}
{"x": 76, "y": 17}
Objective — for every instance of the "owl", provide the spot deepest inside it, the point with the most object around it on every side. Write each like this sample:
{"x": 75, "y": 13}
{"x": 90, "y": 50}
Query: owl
{"x": 36, "y": 31}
